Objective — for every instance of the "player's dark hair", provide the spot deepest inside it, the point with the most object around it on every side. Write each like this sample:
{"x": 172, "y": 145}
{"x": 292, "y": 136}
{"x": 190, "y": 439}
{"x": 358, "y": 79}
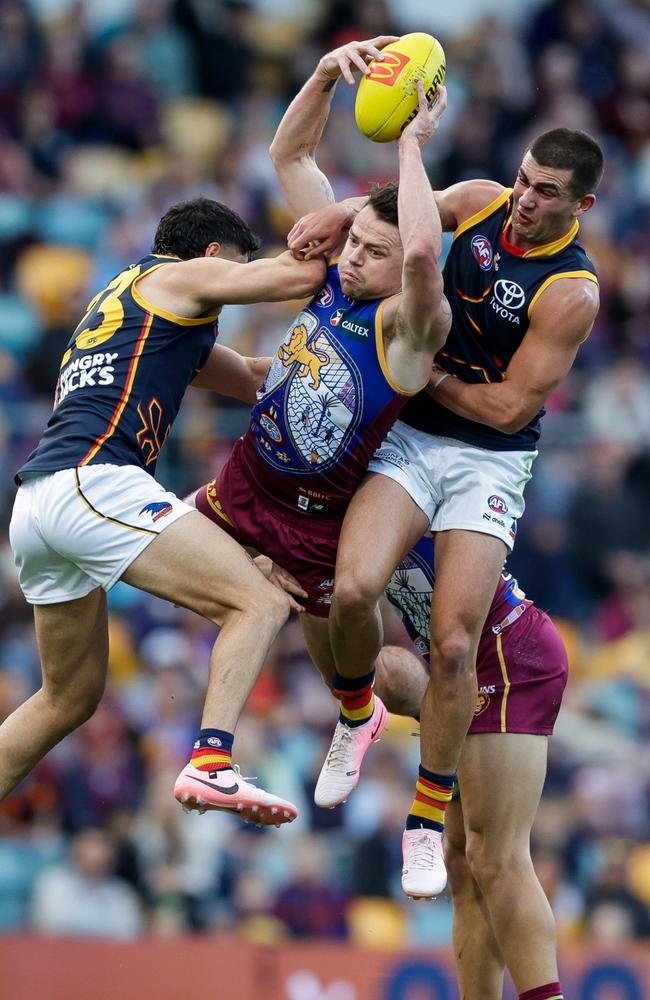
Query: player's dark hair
{"x": 383, "y": 198}
{"x": 188, "y": 228}
{"x": 571, "y": 149}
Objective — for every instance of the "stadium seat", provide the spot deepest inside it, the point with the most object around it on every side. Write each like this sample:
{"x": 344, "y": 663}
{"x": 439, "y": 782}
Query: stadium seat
{"x": 50, "y": 276}
{"x": 20, "y": 325}
{"x": 377, "y": 923}
{"x": 72, "y": 221}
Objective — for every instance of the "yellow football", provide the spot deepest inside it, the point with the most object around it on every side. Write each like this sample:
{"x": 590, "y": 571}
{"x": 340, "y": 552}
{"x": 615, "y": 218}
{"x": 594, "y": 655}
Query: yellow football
{"x": 387, "y": 99}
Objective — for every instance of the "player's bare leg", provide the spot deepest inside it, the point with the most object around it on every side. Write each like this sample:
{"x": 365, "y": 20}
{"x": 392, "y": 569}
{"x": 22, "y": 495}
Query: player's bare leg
{"x": 479, "y": 964}
{"x": 317, "y": 640}
{"x": 468, "y": 565}
{"x": 402, "y": 680}
{"x": 340, "y": 772}
{"x": 363, "y": 568}
{"x": 196, "y": 565}
{"x": 72, "y": 639}
{"x": 381, "y": 525}
{"x": 501, "y": 779}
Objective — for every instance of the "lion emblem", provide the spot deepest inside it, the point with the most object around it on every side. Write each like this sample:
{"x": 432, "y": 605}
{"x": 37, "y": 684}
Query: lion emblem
{"x": 482, "y": 702}
{"x": 310, "y": 361}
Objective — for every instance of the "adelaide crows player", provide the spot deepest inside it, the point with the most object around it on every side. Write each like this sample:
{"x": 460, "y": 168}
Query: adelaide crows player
{"x": 88, "y": 511}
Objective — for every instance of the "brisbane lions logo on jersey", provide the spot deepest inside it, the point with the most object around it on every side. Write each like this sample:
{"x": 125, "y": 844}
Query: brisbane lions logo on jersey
{"x": 482, "y": 250}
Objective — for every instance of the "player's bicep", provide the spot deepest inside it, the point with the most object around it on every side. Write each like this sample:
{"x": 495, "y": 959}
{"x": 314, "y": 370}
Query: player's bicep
{"x": 539, "y": 365}
{"x": 223, "y": 367}
{"x": 462, "y": 200}
{"x": 305, "y": 186}
{"x": 419, "y": 310}
{"x": 561, "y": 321}
{"x": 215, "y": 281}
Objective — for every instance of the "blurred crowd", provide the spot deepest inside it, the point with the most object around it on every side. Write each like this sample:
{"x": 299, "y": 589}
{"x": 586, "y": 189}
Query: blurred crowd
{"x": 109, "y": 113}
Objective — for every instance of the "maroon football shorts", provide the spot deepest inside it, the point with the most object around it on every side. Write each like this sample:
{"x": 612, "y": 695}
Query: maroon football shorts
{"x": 522, "y": 672}
{"x": 305, "y": 547}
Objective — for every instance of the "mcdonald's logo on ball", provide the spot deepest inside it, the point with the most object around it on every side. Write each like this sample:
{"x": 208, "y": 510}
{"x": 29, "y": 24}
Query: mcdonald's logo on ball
{"x": 387, "y": 98}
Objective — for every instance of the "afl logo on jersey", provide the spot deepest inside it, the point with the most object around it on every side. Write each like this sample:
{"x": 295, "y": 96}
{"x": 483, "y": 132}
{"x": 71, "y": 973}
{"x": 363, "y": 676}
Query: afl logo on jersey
{"x": 271, "y": 428}
{"x": 497, "y": 504}
{"x": 336, "y": 317}
{"x": 509, "y": 294}
{"x": 325, "y": 297}
{"x": 482, "y": 250}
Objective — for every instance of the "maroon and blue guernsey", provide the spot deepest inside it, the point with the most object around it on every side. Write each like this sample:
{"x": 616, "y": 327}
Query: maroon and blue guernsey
{"x": 521, "y": 662}
{"x": 326, "y": 405}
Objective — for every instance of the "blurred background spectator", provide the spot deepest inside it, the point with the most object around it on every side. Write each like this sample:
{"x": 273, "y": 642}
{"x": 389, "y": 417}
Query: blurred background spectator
{"x": 111, "y": 110}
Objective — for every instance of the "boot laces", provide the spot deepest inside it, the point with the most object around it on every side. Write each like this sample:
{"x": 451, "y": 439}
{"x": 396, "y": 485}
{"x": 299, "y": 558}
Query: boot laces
{"x": 341, "y": 748}
{"x": 423, "y": 851}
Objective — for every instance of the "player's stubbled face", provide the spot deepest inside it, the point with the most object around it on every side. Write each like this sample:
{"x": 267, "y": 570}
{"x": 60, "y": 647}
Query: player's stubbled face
{"x": 543, "y": 205}
{"x": 370, "y": 265}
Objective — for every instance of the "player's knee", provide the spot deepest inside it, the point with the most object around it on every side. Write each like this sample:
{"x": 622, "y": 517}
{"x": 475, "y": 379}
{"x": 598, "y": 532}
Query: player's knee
{"x": 458, "y": 870}
{"x": 354, "y": 595}
{"x": 278, "y": 607}
{"x": 489, "y": 858}
{"x": 74, "y": 705}
{"x": 268, "y": 608}
{"x": 451, "y": 651}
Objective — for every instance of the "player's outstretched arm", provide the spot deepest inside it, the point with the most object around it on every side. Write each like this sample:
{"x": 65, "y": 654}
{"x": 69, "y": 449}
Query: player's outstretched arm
{"x": 293, "y": 149}
{"x": 422, "y": 314}
{"x": 561, "y": 321}
{"x": 323, "y": 230}
{"x": 231, "y": 374}
{"x": 421, "y": 323}
{"x": 203, "y": 284}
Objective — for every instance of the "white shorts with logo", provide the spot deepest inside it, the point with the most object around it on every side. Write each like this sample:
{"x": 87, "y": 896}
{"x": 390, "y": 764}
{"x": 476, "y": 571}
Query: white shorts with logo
{"x": 78, "y": 529}
{"x": 457, "y": 485}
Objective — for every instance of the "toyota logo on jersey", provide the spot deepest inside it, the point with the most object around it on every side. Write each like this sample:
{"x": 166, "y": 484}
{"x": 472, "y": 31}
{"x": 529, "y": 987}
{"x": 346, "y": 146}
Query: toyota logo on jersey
{"x": 509, "y": 294}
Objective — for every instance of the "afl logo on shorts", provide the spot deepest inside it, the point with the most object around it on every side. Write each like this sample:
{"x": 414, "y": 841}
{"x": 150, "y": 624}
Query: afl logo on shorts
{"x": 325, "y": 297}
{"x": 497, "y": 504}
{"x": 482, "y": 250}
{"x": 271, "y": 428}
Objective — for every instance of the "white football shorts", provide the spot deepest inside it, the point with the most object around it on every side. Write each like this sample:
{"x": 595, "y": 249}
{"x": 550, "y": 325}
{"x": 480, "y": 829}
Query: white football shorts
{"x": 455, "y": 484}
{"x": 78, "y": 529}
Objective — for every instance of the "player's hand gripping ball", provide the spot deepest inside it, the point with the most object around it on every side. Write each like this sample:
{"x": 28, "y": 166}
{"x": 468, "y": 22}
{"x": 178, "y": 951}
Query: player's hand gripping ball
{"x": 387, "y": 99}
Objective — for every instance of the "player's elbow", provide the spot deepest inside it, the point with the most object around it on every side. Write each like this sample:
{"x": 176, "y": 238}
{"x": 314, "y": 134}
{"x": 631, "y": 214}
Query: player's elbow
{"x": 507, "y": 425}
{"x": 311, "y": 277}
{"x": 282, "y": 154}
{"x": 511, "y": 420}
{"x": 421, "y": 253}
{"x": 421, "y": 269}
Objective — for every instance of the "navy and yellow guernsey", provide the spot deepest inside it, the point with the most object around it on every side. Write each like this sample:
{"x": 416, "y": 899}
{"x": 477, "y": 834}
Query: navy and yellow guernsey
{"x": 326, "y": 405}
{"x": 492, "y": 288}
{"x": 122, "y": 379}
